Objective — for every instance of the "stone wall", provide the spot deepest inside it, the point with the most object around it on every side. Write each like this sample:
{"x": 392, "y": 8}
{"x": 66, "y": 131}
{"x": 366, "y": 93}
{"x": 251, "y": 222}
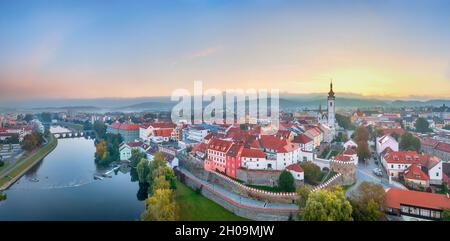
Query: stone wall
{"x": 253, "y": 213}
{"x": 259, "y": 177}
{"x": 245, "y": 191}
{"x": 347, "y": 169}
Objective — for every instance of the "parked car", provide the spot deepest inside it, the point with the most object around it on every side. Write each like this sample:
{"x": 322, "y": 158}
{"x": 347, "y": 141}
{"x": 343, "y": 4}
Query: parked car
{"x": 377, "y": 171}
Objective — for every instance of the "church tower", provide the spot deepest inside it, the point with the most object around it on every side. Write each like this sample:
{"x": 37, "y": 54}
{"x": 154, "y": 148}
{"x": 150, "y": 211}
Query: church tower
{"x": 331, "y": 108}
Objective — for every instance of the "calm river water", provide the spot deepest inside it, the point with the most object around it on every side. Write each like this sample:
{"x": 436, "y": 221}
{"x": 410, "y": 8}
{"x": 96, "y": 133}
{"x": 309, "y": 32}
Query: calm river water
{"x": 62, "y": 187}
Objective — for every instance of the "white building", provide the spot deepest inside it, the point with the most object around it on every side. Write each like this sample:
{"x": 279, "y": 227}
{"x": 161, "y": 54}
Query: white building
{"x": 350, "y": 144}
{"x": 296, "y": 171}
{"x": 384, "y": 142}
{"x": 196, "y": 133}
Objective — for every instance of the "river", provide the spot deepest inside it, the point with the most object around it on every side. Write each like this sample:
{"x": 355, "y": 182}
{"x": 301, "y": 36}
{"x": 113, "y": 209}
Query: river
{"x": 62, "y": 187}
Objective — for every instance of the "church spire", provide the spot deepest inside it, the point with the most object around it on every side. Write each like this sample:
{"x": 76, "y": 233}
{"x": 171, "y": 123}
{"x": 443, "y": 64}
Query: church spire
{"x": 331, "y": 93}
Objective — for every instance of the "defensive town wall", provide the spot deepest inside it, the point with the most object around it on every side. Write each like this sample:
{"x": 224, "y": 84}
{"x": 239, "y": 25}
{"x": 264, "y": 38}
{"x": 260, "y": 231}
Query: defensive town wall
{"x": 242, "y": 210}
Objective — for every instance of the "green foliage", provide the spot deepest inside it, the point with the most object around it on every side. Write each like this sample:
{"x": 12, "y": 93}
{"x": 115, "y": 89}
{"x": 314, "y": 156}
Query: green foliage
{"x": 341, "y": 137}
{"x": 2, "y": 163}
{"x": 160, "y": 206}
{"x": 243, "y": 126}
{"x": 107, "y": 150}
{"x": 447, "y": 127}
{"x": 422, "y": 125}
{"x": 32, "y": 141}
{"x": 409, "y": 143}
{"x": 46, "y": 117}
{"x": 100, "y": 129}
{"x": 286, "y": 182}
{"x": 2, "y": 196}
{"x": 312, "y": 172}
{"x": 327, "y": 205}
{"x": 446, "y": 215}
{"x": 344, "y": 122}
{"x": 368, "y": 202}
{"x": 303, "y": 194}
{"x": 143, "y": 169}
{"x": 136, "y": 157}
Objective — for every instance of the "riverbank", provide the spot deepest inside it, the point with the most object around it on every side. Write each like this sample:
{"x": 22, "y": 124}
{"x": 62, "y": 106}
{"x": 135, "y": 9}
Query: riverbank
{"x": 25, "y": 163}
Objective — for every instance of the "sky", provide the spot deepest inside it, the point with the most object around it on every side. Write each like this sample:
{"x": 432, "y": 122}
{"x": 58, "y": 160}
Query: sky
{"x": 107, "y": 48}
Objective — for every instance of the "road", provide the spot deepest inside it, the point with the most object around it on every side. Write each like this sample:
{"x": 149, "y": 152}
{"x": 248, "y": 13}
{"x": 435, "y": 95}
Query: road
{"x": 364, "y": 173}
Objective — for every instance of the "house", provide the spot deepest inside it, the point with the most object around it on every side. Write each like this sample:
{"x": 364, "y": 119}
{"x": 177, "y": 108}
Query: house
{"x": 217, "y": 154}
{"x": 416, "y": 178}
{"x": 255, "y": 159}
{"x": 282, "y": 150}
{"x": 396, "y": 162}
{"x": 350, "y": 144}
{"x": 386, "y": 141}
{"x": 128, "y": 131}
{"x": 296, "y": 171}
{"x": 158, "y": 131}
{"x": 195, "y": 133}
{"x": 414, "y": 205}
{"x": 125, "y": 149}
{"x": 233, "y": 160}
{"x": 315, "y": 134}
{"x": 306, "y": 143}
{"x": 352, "y": 154}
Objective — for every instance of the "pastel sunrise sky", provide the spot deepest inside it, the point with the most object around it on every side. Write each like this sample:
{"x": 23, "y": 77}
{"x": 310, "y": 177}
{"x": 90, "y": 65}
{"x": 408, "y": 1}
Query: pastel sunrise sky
{"x": 89, "y": 49}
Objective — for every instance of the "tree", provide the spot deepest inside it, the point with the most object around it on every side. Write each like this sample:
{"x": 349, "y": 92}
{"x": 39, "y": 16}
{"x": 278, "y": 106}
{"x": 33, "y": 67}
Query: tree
{"x": 395, "y": 135}
{"x": 327, "y": 205}
{"x": 344, "y": 122}
{"x": 368, "y": 202}
{"x": 312, "y": 172}
{"x": 2, "y": 196}
{"x": 286, "y": 182}
{"x": 160, "y": 182}
{"x": 422, "y": 125}
{"x": 447, "y": 127}
{"x": 363, "y": 150}
{"x": 100, "y": 129}
{"x": 409, "y": 143}
{"x": 136, "y": 157}
{"x": 28, "y": 117}
{"x": 303, "y": 194}
{"x": 160, "y": 207}
{"x": 362, "y": 134}
{"x": 143, "y": 170}
{"x": 32, "y": 141}
{"x": 341, "y": 137}
{"x": 446, "y": 215}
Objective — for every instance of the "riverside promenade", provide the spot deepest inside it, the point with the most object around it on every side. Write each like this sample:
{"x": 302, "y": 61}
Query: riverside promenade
{"x": 12, "y": 173}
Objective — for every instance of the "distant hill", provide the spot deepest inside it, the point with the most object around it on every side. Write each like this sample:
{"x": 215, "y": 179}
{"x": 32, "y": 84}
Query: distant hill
{"x": 287, "y": 101}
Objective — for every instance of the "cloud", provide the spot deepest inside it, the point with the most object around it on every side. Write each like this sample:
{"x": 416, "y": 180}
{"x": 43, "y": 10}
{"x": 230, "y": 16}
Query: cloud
{"x": 205, "y": 53}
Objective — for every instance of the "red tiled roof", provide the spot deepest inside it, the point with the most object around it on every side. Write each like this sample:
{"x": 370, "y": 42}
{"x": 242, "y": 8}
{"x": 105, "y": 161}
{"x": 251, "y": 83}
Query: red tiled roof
{"x": 414, "y": 172}
{"x": 302, "y": 139}
{"x": 219, "y": 145}
{"x": 124, "y": 126}
{"x": 201, "y": 147}
{"x": 389, "y": 131}
{"x": 253, "y": 153}
{"x": 295, "y": 167}
{"x": 394, "y": 197}
{"x": 163, "y": 132}
{"x": 342, "y": 158}
{"x": 349, "y": 152}
{"x": 442, "y": 146}
{"x": 277, "y": 144}
{"x": 2, "y": 129}
{"x": 407, "y": 157}
{"x": 134, "y": 144}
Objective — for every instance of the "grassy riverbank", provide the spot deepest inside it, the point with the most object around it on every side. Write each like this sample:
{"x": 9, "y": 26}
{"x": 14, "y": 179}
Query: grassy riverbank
{"x": 27, "y": 160}
{"x": 192, "y": 206}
